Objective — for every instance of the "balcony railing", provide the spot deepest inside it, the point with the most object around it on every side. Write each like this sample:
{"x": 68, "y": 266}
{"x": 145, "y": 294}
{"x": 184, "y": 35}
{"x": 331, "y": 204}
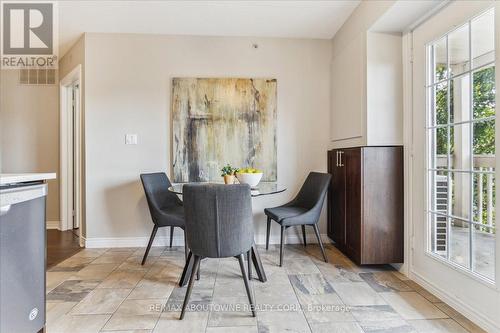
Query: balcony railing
{"x": 484, "y": 166}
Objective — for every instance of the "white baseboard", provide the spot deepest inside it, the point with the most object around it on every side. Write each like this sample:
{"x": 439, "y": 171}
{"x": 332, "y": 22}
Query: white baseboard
{"x": 179, "y": 240}
{"x": 462, "y": 307}
{"x": 53, "y": 224}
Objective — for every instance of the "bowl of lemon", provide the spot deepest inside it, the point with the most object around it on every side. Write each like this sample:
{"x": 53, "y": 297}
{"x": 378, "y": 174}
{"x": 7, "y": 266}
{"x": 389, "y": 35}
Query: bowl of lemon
{"x": 249, "y": 176}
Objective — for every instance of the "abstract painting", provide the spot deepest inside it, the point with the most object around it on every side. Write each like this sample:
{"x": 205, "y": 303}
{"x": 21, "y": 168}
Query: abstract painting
{"x": 216, "y": 121}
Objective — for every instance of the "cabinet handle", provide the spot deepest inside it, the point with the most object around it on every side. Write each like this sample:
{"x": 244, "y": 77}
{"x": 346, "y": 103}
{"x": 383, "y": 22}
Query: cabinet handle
{"x": 341, "y": 164}
{"x": 337, "y": 155}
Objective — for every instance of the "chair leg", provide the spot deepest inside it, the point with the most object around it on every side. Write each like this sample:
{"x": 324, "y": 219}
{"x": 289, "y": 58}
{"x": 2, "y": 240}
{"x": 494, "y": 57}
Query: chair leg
{"x": 153, "y": 234}
{"x": 196, "y": 265}
{"x": 316, "y": 231}
{"x": 281, "y": 244}
{"x": 304, "y": 234}
{"x": 268, "y": 232}
{"x": 249, "y": 262}
{"x": 247, "y": 283}
{"x": 185, "y": 245}
{"x": 171, "y": 235}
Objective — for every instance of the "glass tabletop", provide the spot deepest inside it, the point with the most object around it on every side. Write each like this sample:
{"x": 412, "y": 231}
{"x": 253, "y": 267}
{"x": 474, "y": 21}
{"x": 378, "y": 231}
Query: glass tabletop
{"x": 264, "y": 188}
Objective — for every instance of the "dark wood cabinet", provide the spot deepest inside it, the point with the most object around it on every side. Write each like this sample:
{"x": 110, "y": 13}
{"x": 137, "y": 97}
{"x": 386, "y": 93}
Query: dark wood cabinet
{"x": 365, "y": 203}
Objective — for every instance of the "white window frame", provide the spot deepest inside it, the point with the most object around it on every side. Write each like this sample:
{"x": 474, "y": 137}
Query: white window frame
{"x": 429, "y": 127}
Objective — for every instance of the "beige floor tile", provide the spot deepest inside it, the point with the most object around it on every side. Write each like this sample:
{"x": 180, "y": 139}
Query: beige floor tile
{"x": 336, "y": 327}
{"x": 282, "y": 321}
{"x": 101, "y": 301}
{"x": 437, "y": 326}
{"x": 112, "y": 258}
{"x": 53, "y": 279}
{"x": 411, "y": 305}
{"x": 152, "y": 289}
{"x": 459, "y": 318}
{"x": 231, "y": 311}
{"x": 130, "y": 331}
{"x": 78, "y": 324}
{"x": 357, "y": 293}
{"x": 389, "y": 326}
{"x": 300, "y": 266}
{"x": 131, "y": 322}
{"x": 141, "y": 306}
{"x": 233, "y": 329}
{"x": 192, "y": 322}
{"x": 90, "y": 253}
{"x": 422, "y": 291}
{"x": 94, "y": 272}
{"x": 122, "y": 279}
{"x": 55, "y": 310}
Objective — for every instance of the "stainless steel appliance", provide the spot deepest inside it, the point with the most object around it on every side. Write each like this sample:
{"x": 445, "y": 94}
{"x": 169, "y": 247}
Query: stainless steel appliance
{"x": 22, "y": 257}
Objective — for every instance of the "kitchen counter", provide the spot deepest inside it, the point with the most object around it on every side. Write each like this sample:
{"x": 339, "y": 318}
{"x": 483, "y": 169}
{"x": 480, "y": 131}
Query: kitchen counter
{"x": 13, "y": 178}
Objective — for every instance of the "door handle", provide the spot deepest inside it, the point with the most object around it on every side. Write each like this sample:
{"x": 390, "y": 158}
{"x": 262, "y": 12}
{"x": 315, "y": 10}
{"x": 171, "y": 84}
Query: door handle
{"x": 340, "y": 154}
{"x": 337, "y": 156}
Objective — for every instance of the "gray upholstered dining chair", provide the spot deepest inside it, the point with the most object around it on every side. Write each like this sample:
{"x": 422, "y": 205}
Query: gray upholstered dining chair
{"x": 165, "y": 207}
{"x": 304, "y": 210}
{"x": 219, "y": 224}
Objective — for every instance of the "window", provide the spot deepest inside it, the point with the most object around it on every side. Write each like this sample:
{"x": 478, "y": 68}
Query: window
{"x": 461, "y": 146}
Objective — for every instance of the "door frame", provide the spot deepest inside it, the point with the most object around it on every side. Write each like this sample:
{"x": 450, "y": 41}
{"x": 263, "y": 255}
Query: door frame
{"x": 66, "y": 151}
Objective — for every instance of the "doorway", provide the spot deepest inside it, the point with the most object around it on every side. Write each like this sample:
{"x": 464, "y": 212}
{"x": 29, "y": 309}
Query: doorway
{"x": 71, "y": 154}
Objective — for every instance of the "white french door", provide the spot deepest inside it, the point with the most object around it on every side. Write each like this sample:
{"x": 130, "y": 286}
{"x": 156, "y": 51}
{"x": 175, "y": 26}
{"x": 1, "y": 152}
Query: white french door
{"x": 454, "y": 237}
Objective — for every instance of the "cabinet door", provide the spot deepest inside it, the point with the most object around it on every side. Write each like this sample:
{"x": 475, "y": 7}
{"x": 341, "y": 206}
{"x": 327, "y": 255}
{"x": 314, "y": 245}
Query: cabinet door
{"x": 352, "y": 161}
{"x": 338, "y": 189}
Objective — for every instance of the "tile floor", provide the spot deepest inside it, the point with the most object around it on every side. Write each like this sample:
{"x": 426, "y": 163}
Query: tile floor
{"x": 100, "y": 290}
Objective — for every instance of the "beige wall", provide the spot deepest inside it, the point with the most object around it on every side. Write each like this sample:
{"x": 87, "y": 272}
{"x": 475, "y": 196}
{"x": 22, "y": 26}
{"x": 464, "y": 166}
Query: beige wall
{"x": 29, "y": 131}
{"x": 128, "y": 84}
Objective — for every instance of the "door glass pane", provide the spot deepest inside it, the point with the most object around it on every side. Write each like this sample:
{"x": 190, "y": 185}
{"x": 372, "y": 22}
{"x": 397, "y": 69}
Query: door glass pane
{"x": 458, "y": 47}
{"x": 439, "y": 147}
{"x": 460, "y": 99}
{"x": 460, "y": 147}
{"x": 460, "y": 241}
{"x": 484, "y": 92}
{"x": 483, "y": 39}
{"x": 440, "y": 191}
{"x": 439, "y": 235}
{"x": 440, "y": 58}
{"x": 484, "y": 251}
{"x": 441, "y": 104}
{"x": 484, "y": 197}
{"x": 484, "y": 138}
{"x": 460, "y": 194}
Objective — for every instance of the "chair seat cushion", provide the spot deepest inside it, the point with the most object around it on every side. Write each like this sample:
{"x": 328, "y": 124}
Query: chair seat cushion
{"x": 171, "y": 216}
{"x": 280, "y": 213}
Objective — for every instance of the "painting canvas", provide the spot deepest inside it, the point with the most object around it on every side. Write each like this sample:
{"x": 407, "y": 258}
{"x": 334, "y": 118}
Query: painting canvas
{"x": 223, "y": 120}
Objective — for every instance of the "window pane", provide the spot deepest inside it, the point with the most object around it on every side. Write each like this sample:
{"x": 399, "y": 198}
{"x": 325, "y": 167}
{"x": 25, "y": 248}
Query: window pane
{"x": 460, "y": 194}
{"x": 458, "y": 46}
{"x": 484, "y": 251}
{"x": 439, "y": 148}
{"x": 460, "y": 147}
{"x": 460, "y": 99}
{"x": 439, "y": 235}
{"x": 484, "y": 92}
{"x": 484, "y": 138}
{"x": 440, "y": 58}
{"x": 483, "y": 39}
{"x": 484, "y": 197}
{"x": 439, "y": 191}
{"x": 441, "y": 104}
{"x": 460, "y": 241}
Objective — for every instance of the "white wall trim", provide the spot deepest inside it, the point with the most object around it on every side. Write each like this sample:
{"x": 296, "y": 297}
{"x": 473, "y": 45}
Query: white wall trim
{"x": 179, "y": 241}
{"x": 459, "y": 305}
{"x": 53, "y": 225}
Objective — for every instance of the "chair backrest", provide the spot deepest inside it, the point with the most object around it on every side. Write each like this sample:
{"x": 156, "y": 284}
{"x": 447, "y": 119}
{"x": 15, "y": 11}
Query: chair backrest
{"x": 219, "y": 220}
{"x": 157, "y": 194}
{"x": 313, "y": 191}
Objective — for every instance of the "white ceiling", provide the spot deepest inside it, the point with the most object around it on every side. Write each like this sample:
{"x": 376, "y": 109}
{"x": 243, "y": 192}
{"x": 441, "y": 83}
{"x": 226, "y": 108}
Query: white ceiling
{"x": 290, "y": 19}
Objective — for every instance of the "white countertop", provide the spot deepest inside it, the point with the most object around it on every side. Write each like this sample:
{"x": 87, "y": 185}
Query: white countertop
{"x": 13, "y": 178}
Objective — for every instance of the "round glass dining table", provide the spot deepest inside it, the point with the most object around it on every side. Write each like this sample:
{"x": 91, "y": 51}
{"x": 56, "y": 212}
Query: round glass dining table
{"x": 263, "y": 188}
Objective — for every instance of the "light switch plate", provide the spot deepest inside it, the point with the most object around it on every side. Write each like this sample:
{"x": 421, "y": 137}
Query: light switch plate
{"x": 130, "y": 139}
